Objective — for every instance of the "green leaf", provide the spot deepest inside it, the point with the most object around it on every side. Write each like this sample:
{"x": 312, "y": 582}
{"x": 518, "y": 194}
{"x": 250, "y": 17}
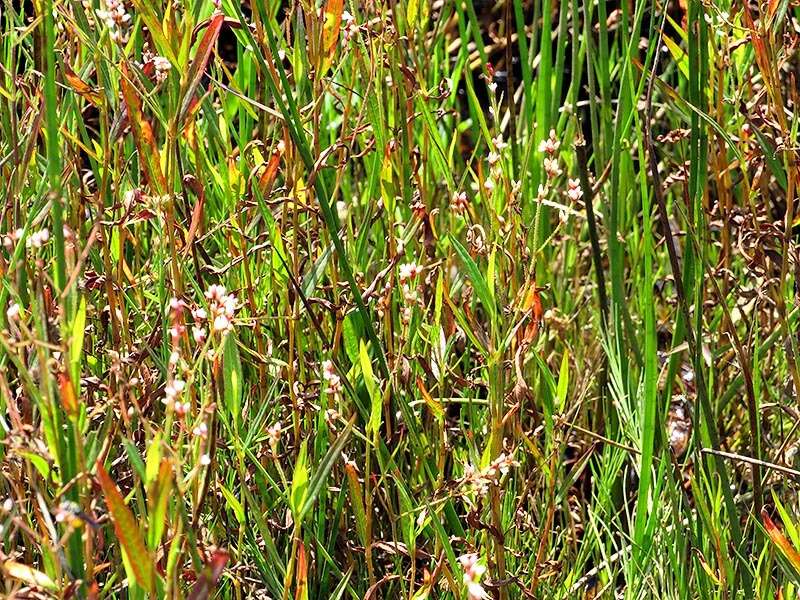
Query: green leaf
{"x": 233, "y": 503}
{"x": 232, "y": 380}
{"x": 323, "y": 470}
{"x": 376, "y": 400}
{"x": 158, "y": 497}
{"x": 563, "y": 381}
{"x": 299, "y": 482}
{"x": 476, "y": 277}
{"x": 76, "y": 343}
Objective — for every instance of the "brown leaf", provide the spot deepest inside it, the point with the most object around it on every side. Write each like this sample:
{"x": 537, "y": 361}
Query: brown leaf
{"x": 83, "y": 89}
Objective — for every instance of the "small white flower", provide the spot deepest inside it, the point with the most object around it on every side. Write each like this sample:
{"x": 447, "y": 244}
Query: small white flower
{"x": 342, "y": 211}
{"x": 574, "y": 190}
{"x": 205, "y": 460}
{"x": 199, "y": 334}
{"x": 13, "y": 311}
{"x": 216, "y": 292}
{"x": 222, "y": 324}
{"x": 551, "y": 167}
{"x": 550, "y": 145}
{"x": 409, "y": 271}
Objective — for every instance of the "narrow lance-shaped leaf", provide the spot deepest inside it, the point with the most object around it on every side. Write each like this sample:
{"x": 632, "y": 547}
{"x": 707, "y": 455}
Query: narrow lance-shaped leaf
{"x": 127, "y": 532}
{"x": 142, "y": 134}
{"x": 330, "y": 31}
{"x": 200, "y": 61}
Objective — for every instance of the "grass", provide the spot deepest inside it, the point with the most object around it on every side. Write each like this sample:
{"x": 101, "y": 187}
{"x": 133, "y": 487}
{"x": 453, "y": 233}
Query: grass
{"x": 296, "y": 303}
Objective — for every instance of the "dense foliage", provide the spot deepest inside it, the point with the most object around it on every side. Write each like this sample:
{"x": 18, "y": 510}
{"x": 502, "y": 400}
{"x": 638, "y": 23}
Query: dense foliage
{"x": 408, "y": 299}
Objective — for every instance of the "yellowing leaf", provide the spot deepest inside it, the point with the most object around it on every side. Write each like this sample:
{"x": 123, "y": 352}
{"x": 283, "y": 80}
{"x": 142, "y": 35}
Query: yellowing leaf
{"x": 28, "y": 575}
{"x": 376, "y": 400}
{"x": 434, "y": 405}
{"x": 330, "y": 32}
{"x": 411, "y": 14}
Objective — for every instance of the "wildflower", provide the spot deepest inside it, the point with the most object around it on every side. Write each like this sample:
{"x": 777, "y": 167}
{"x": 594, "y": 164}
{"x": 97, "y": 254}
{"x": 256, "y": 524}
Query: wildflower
{"x": 274, "y": 435}
{"x": 162, "y": 67}
{"x": 459, "y": 203}
{"x": 472, "y": 574}
{"x": 172, "y": 392}
{"x": 176, "y": 304}
{"x": 342, "y": 211}
{"x": 38, "y": 239}
{"x": 205, "y": 460}
{"x": 199, "y": 314}
{"x": 476, "y": 238}
{"x": 200, "y": 431}
{"x": 494, "y": 158}
{"x": 489, "y": 185}
{"x": 574, "y": 190}
{"x": 349, "y": 27}
{"x": 409, "y": 271}
{"x": 499, "y": 143}
{"x": 12, "y": 313}
{"x": 551, "y": 167}
{"x": 199, "y": 334}
{"x": 222, "y": 307}
{"x": 215, "y": 293}
{"x": 476, "y": 480}
{"x": 8, "y": 505}
{"x": 550, "y": 145}
{"x": 329, "y": 375}
{"x": 116, "y": 18}
{"x": 331, "y": 416}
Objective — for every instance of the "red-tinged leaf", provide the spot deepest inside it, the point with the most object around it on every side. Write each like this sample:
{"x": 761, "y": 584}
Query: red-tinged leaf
{"x": 207, "y": 580}
{"x": 127, "y": 532}
{"x": 200, "y": 61}
{"x": 268, "y": 174}
{"x": 67, "y": 392}
{"x": 434, "y": 405}
{"x": 301, "y": 591}
{"x": 330, "y": 31}
{"x": 83, "y": 89}
{"x": 197, "y": 218}
{"x": 143, "y": 135}
{"x": 777, "y": 537}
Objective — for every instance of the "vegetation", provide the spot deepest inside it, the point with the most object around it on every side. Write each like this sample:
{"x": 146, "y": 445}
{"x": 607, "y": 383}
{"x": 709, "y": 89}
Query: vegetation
{"x": 421, "y": 299}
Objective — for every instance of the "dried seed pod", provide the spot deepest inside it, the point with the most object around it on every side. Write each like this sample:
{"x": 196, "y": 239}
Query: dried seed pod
{"x": 679, "y": 425}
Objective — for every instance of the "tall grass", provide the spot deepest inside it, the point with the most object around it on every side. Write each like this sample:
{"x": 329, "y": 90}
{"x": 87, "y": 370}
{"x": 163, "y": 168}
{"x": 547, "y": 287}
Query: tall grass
{"x": 402, "y": 300}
